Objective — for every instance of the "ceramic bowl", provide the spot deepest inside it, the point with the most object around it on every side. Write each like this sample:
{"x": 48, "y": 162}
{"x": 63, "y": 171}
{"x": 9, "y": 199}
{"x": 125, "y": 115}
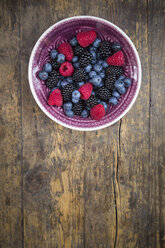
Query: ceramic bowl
{"x": 63, "y": 31}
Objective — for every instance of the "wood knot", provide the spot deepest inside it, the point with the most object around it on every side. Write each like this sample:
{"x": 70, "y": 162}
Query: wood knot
{"x": 36, "y": 180}
{"x": 7, "y": 201}
{"x": 122, "y": 180}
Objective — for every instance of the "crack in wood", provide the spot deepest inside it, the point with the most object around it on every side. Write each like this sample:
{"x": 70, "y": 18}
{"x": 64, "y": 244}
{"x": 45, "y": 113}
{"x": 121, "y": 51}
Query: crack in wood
{"x": 116, "y": 182}
{"x": 22, "y": 179}
{"x": 116, "y": 212}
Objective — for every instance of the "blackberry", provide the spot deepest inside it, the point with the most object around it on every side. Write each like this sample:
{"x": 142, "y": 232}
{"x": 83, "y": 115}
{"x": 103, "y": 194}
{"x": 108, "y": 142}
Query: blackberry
{"x": 105, "y": 49}
{"x": 67, "y": 92}
{"x": 78, "y": 108}
{"x": 109, "y": 81}
{"x": 91, "y": 102}
{"x": 52, "y": 80}
{"x": 85, "y": 59}
{"x": 78, "y": 50}
{"x": 55, "y": 64}
{"x": 104, "y": 94}
{"x": 117, "y": 70}
{"x": 79, "y": 75}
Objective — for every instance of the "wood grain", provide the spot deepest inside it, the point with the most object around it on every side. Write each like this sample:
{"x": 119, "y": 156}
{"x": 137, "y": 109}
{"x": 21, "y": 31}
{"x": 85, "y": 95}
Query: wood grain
{"x": 68, "y": 189}
{"x": 10, "y": 128}
{"x": 133, "y": 146}
{"x": 156, "y": 21}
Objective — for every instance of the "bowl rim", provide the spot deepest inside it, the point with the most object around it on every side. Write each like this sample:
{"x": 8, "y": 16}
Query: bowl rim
{"x": 31, "y": 81}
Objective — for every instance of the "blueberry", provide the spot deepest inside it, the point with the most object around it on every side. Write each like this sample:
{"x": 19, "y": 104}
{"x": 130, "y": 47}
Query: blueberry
{"x": 127, "y": 82}
{"x": 113, "y": 100}
{"x": 96, "y": 80}
{"x": 80, "y": 83}
{"x": 116, "y": 47}
{"x": 92, "y": 49}
{"x": 59, "y": 84}
{"x": 102, "y": 74}
{"x": 97, "y": 42}
{"x": 75, "y": 59}
{"x": 76, "y": 94}
{"x": 93, "y": 54}
{"x": 69, "y": 113}
{"x": 100, "y": 85}
{"x": 105, "y": 105}
{"x": 84, "y": 113}
{"x": 116, "y": 94}
{"x": 100, "y": 62}
{"x": 88, "y": 68}
{"x": 43, "y": 75}
{"x": 121, "y": 77}
{"x": 121, "y": 89}
{"x": 53, "y": 54}
{"x": 60, "y": 58}
{"x": 86, "y": 77}
{"x": 64, "y": 83}
{"x": 69, "y": 79}
{"x": 76, "y": 65}
{"x": 104, "y": 64}
{"x": 97, "y": 68}
{"x": 73, "y": 41}
{"x": 75, "y": 100}
{"x": 93, "y": 61}
{"x": 93, "y": 93}
{"x": 99, "y": 101}
{"x": 47, "y": 67}
{"x": 118, "y": 84}
{"x": 92, "y": 74}
{"x": 98, "y": 55}
{"x": 67, "y": 106}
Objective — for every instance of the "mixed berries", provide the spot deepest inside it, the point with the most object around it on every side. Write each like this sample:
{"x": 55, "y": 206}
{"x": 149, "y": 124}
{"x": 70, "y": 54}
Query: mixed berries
{"x": 85, "y": 75}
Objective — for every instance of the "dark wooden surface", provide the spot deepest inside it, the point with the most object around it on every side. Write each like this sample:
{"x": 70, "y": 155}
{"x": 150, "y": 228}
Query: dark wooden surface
{"x": 68, "y": 189}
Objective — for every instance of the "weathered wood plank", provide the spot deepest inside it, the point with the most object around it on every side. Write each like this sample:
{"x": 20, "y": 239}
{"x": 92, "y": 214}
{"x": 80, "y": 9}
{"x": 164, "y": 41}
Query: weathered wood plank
{"x": 101, "y": 158}
{"x": 9, "y": 27}
{"x": 132, "y": 168}
{"x": 53, "y": 155}
{"x": 10, "y": 127}
{"x": 156, "y": 181}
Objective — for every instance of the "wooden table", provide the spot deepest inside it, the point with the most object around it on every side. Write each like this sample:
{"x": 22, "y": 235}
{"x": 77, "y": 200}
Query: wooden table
{"x": 62, "y": 188}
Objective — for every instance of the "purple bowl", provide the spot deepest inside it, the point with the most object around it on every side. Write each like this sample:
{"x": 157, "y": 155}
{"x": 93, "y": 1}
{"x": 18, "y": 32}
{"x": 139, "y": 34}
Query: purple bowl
{"x": 63, "y": 31}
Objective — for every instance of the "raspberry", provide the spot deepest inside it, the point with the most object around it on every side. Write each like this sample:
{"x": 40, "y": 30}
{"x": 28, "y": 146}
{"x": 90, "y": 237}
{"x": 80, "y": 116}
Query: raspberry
{"x": 55, "y": 64}
{"x": 78, "y": 50}
{"x": 97, "y": 112}
{"x": 55, "y": 98}
{"x": 79, "y": 75}
{"x": 78, "y": 108}
{"x": 104, "y": 94}
{"x": 85, "y": 59}
{"x": 105, "y": 49}
{"x": 86, "y": 38}
{"x": 109, "y": 81}
{"x": 116, "y": 59}
{"x": 67, "y": 92}
{"x": 91, "y": 102}
{"x": 66, "y": 69}
{"x": 52, "y": 80}
{"x": 117, "y": 70}
{"x": 66, "y": 49}
{"x": 86, "y": 90}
